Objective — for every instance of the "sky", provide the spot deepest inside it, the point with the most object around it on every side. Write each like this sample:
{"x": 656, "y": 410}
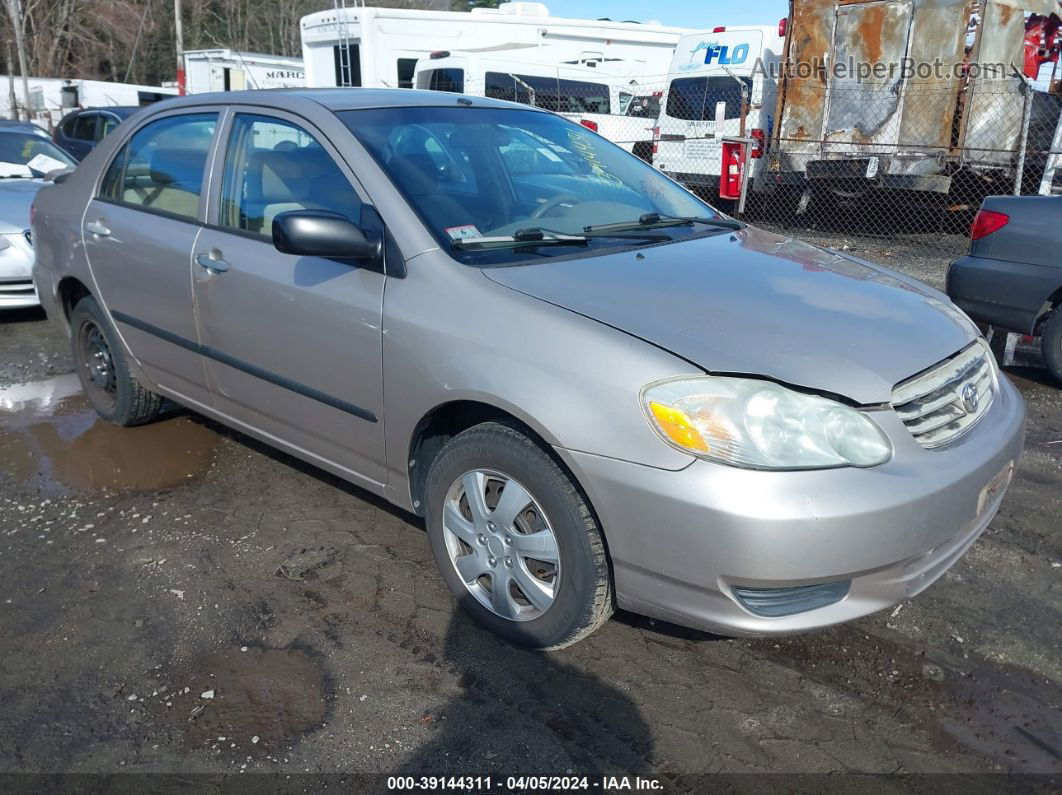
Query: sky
{"x": 679, "y": 13}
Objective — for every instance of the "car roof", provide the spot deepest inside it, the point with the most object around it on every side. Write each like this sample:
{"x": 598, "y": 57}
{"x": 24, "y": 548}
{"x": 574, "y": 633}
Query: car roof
{"x": 336, "y": 99}
{"x": 117, "y": 110}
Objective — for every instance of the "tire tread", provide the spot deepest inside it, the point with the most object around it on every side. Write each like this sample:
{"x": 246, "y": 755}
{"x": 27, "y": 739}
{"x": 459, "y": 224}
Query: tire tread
{"x": 600, "y": 606}
{"x": 1051, "y": 343}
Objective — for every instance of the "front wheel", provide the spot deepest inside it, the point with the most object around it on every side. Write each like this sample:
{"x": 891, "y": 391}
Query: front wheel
{"x": 515, "y": 540}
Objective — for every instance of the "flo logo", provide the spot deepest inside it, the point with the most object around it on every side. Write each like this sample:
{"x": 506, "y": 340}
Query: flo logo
{"x": 721, "y": 54}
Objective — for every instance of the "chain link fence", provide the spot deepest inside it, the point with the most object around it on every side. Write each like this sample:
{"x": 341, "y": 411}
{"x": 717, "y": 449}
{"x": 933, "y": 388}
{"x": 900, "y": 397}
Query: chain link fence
{"x": 903, "y": 163}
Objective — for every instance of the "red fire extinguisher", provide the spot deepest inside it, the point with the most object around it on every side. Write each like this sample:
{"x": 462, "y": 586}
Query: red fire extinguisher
{"x": 733, "y": 166}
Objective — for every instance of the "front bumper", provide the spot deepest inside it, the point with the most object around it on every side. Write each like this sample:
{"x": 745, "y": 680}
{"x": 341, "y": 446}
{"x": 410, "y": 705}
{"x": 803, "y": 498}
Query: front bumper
{"x": 680, "y": 541}
{"x": 17, "y": 294}
{"x": 16, "y": 280}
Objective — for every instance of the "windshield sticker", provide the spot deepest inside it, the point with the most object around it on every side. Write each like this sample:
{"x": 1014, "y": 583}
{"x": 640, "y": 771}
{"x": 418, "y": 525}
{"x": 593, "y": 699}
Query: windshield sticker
{"x": 462, "y": 232}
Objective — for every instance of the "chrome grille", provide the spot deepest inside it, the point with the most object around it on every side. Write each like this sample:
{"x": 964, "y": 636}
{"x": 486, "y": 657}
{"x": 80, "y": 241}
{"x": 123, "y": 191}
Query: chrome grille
{"x": 947, "y": 400}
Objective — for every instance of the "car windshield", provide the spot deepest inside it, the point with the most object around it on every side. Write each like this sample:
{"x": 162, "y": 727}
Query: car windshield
{"x": 500, "y": 185}
{"x": 18, "y": 149}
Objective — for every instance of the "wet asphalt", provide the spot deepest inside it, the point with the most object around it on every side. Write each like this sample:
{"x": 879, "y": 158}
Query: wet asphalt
{"x": 182, "y": 598}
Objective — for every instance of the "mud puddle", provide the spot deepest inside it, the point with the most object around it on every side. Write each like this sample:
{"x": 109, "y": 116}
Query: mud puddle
{"x": 52, "y": 440}
{"x": 255, "y": 699}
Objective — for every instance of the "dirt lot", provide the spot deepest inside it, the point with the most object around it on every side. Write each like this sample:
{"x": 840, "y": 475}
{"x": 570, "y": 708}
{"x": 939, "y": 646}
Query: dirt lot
{"x": 180, "y": 598}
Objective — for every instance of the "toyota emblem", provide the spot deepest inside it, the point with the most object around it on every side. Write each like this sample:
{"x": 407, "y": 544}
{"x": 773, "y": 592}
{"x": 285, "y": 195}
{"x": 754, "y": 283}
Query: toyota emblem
{"x": 970, "y": 398}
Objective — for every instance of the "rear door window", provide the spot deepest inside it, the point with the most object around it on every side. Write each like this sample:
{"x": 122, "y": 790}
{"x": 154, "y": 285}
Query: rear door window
{"x": 161, "y": 168}
{"x": 447, "y": 80}
{"x": 695, "y": 98}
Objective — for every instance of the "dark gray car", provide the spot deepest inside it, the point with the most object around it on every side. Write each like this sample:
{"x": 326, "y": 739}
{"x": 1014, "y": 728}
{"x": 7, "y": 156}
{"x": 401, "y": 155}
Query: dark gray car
{"x": 595, "y": 389}
{"x": 1012, "y": 277}
{"x": 80, "y": 130}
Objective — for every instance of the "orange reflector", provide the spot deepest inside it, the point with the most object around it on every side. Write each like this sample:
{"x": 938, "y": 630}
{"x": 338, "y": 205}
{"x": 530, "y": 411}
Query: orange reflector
{"x": 677, "y": 426}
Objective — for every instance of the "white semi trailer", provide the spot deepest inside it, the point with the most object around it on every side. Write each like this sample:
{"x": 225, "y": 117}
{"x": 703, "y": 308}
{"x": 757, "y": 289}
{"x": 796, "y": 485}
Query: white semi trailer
{"x": 222, "y": 69}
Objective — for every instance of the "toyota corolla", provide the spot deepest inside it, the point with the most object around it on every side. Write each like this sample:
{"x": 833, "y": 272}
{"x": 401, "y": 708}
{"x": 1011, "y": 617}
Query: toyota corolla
{"x": 595, "y": 389}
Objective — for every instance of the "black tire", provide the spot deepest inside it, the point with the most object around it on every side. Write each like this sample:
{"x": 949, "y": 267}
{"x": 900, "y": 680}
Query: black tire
{"x": 583, "y": 599}
{"x": 101, "y": 365}
{"x": 1051, "y": 342}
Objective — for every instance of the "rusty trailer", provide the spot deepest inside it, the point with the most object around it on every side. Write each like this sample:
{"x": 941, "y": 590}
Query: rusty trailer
{"x": 916, "y": 95}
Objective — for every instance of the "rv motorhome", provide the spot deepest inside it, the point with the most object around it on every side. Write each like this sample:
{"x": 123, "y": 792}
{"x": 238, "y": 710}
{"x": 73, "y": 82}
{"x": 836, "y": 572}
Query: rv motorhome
{"x": 380, "y": 47}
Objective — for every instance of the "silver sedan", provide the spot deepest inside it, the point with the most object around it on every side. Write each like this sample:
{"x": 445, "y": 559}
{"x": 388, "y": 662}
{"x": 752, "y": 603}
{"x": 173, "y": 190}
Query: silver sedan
{"x": 26, "y": 155}
{"x": 596, "y": 390}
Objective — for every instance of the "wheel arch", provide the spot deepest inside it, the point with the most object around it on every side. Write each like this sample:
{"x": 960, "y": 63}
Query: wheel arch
{"x": 69, "y": 291}
{"x": 446, "y": 420}
{"x": 1053, "y": 302}
{"x": 442, "y": 423}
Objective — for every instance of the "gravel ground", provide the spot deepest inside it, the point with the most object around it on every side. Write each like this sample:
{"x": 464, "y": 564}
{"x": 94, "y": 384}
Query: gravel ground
{"x": 237, "y": 610}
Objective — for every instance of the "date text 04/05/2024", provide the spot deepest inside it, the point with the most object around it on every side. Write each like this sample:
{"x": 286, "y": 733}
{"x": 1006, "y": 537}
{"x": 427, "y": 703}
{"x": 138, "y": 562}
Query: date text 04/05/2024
{"x": 522, "y": 783}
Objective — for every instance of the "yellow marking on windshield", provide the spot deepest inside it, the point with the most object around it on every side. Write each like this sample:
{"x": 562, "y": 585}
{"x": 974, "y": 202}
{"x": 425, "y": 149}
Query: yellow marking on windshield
{"x": 586, "y": 150}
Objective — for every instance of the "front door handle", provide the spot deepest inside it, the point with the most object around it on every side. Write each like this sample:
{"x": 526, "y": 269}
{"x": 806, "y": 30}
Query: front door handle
{"x": 98, "y": 229}
{"x": 211, "y": 264}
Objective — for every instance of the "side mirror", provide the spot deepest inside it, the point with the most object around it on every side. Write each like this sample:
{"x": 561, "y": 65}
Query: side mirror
{"x": 323, "y": 233}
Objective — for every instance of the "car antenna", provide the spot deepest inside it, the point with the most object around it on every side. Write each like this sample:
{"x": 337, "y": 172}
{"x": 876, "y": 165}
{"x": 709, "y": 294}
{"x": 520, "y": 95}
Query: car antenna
{"x": 464, "y": 101}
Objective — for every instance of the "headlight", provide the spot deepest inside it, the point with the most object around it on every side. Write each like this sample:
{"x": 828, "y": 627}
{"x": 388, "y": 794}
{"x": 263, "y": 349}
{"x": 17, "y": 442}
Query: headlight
{"x": 762, "y": 425}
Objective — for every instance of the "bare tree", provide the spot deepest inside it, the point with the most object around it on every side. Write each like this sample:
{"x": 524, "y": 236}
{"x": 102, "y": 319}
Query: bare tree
{"x": 132, "y": 40}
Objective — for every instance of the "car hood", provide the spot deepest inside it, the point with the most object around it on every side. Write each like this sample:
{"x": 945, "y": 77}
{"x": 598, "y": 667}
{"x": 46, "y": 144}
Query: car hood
{"x": 16, "y": 196}
{"x": 756, "y": 303}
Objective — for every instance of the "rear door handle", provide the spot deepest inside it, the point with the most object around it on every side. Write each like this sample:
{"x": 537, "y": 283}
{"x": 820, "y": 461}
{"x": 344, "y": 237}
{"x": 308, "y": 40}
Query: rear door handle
{"x": 211, "y": 264}
{"x": 96, "y": 228}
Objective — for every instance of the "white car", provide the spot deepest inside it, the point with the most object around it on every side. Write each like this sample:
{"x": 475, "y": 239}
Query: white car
{"x": 25, "y": 158}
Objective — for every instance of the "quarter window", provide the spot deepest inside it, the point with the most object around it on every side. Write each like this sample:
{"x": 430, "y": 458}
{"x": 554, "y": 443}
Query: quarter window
{"x": 274, "y": 166}
{"x": 161, "y": 168}
{"x": 85, "y": 127}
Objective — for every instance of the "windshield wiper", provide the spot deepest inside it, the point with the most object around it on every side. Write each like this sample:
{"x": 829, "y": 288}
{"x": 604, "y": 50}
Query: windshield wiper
{"x": 656, "y": 220}
{"x": 534, "y": 236}
{"x": 537, "y": 236}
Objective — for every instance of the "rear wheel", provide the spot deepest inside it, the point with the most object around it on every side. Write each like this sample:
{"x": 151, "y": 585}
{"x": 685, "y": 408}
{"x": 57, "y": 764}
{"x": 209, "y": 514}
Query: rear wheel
{"x": 104, "y": 373}
{"x": 1051, "y": 342}
{"x": 515, "y": 540}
